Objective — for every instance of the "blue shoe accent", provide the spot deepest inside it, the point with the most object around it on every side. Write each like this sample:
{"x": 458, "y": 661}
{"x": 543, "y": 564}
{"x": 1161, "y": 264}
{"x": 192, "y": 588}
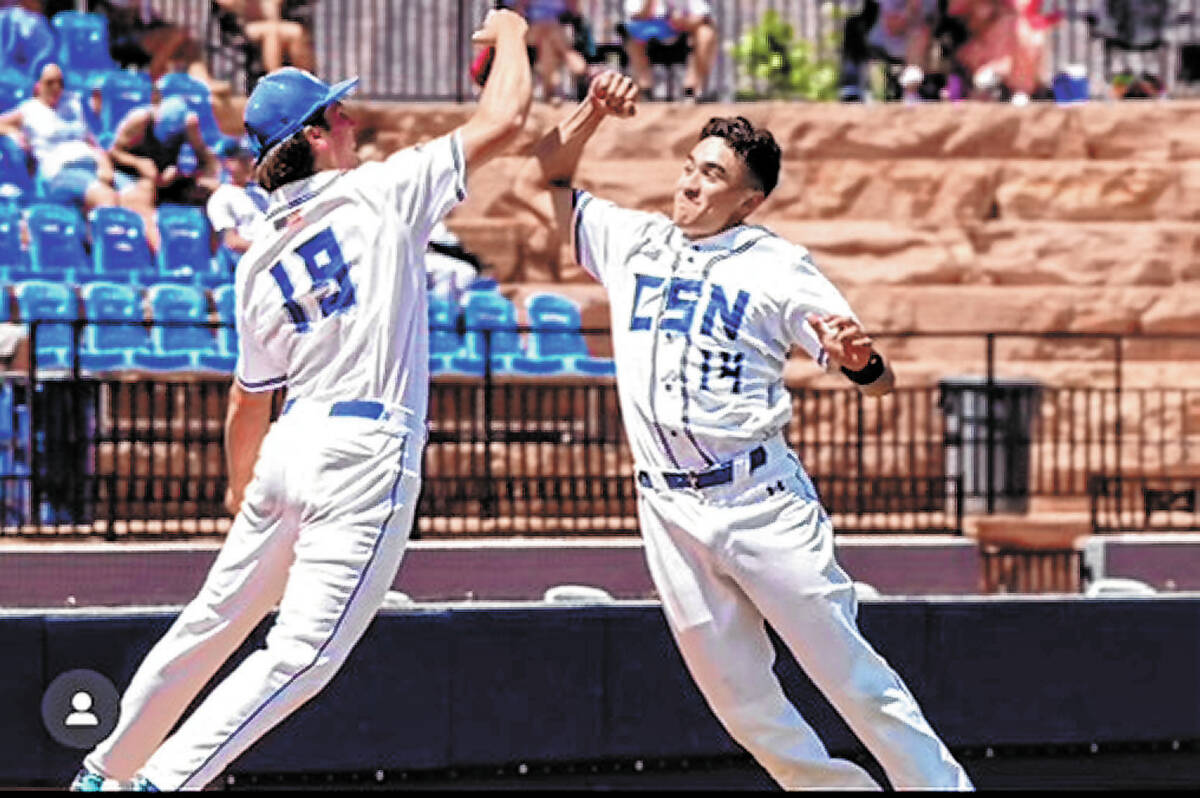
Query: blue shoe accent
{"x": 142, "y": 784}
{"x": 86, "y": 781}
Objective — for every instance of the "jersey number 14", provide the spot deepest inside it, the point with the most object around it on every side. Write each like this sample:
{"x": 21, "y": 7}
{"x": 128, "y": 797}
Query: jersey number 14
{"x": 324, "y": 262}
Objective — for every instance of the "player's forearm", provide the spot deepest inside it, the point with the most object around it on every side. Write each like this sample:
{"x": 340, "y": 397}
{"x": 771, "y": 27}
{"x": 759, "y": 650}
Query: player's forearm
{"x": 246, "y": 422}
{"x": 558, "y": 152}
{"x": 504, "y": 103}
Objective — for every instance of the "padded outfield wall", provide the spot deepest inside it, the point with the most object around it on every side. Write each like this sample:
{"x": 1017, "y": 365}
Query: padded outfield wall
{"x": 437, "y": 691}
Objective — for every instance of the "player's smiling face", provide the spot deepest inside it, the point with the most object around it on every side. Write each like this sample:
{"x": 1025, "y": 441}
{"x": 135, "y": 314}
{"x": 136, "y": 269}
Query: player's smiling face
{"x": 715, "y": 190}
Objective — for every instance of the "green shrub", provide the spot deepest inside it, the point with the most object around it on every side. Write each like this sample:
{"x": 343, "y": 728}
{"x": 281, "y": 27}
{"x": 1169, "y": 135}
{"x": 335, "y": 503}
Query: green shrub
{"x": 774, "y": 63}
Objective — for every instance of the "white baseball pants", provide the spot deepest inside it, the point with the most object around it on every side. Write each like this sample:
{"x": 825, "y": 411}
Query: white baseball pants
{"x": 725, "y": 558}
{"x": 321, "y": 532}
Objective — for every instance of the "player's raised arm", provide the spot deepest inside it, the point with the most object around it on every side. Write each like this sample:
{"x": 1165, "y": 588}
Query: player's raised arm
{"x": 558, "y": 152}
{"x": 851, "y": 349}
{"x": 505, "y": 100}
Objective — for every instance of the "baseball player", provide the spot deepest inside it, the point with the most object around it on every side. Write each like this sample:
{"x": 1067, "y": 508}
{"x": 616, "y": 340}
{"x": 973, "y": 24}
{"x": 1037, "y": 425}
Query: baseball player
{"x": 705, "y": 308}
{"x": 331, "y": 304}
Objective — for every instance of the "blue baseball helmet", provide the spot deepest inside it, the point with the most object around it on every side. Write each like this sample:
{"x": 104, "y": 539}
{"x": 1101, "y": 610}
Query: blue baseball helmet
{"x": 283, "y": 101}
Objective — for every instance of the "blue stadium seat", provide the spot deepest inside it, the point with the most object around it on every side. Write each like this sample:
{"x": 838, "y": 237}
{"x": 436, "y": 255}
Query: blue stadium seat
{"x": 43, "y": 301}
{"x": 13, "y": 257}
{"x": 185, "y": 252}
{"x": 56, "y": 244}
{"x": 12, "y": 94}
{"x": 225, "y": 357}
{"x": 198, "y": 99}
{"x": 15, "y": 179}
{"x": 119, "y": 247}
{"x": 179, "y": 304}
{"x": 444, "y": 338}
{"x": 120, "y": 92}
{"x": 555, "y": 337}
{"x": 490, "y": 311}
{"x": 26, "y": 45}
{"x": 83, "y": 49}
{"x": 111, "y": 346}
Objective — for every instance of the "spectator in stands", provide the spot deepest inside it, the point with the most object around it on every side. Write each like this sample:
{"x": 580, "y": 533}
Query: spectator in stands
{"x": 281, "y": 41}
{"x": 1007, "y": 41}
{"x": 147, "y": 146}
{"x": 901, "y": 37}
{"x": 73, "y": 167}
{"x": 141, "y": 38}
{"x": 235, "y": 206}
{"x": 666, "y": 20}
{"x": 548, "y": 36}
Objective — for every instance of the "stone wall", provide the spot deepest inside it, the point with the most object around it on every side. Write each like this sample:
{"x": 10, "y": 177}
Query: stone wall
{"x": 930, "y": 218}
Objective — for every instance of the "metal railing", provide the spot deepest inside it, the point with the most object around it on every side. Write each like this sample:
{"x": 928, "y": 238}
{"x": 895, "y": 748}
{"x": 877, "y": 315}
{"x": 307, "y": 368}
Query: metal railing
{"x": 129, "y": 453}
{"x": 420, "y": 49}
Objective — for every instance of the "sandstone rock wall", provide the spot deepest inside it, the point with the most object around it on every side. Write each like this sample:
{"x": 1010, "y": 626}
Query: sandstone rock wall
{"x": 931, "y": 218}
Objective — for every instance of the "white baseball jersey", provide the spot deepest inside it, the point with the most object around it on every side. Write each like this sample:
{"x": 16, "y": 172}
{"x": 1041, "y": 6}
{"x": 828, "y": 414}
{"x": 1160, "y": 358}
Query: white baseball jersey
{"x": 701, "y": 329}
{"x": 331, "y": 303}
{"x": 331, "y": 297}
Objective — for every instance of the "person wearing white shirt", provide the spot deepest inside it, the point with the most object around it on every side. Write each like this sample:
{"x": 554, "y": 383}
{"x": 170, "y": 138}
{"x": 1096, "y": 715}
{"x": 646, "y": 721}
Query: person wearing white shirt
{"x": 50, "y": 124}
{"x": 236, "y": 205}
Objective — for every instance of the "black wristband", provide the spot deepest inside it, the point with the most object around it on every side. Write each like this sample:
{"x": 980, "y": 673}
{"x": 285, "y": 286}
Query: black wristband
{"x": 874, "y": 369}
{"x": 560, "y": 182}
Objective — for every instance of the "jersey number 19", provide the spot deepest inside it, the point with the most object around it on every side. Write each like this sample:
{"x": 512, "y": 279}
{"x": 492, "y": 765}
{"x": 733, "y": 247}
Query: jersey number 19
{"x": 324, "y": 262}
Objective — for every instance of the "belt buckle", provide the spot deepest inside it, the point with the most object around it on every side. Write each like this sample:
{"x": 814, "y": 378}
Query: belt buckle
{"x": 693, "y": 479}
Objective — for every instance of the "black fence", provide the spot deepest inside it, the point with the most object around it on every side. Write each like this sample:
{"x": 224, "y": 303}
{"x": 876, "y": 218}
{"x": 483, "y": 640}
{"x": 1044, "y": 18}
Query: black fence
{"x": 131, "y": 453}
{"x": 420, "y": 50}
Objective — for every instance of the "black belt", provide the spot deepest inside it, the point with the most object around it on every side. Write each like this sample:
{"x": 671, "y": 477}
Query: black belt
{"x": 717, "y": 475}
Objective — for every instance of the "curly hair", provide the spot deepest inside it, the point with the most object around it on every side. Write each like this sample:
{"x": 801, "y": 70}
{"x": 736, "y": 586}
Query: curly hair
{"x": 292, "y": 159}
{"x": 756, "y": 148}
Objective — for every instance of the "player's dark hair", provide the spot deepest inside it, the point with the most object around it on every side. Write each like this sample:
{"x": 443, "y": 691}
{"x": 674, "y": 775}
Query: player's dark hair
{"x": 755, "y": 147}
{"x": 293, "y": 159}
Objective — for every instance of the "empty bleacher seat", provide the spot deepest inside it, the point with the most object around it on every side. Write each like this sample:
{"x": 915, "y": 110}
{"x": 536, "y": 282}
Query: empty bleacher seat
{"x": 226, "y": 357}
{"x": 198, "y": 99}
{"x": 83, "y": 49}
{"x": 56, "y": 244}
{"x": 180, "y": 315}
{"x": 121, "y": 92}
{"x": 13, "y": 258}
{"x": 185, "y": 252}
{"x": 555, "y": 336}
{"x": 488, "y": 315}
{"x": 120, "y": 331}
{"x": 119, "y": 247}
{"x": 26, "y": 45}
{"x": 42, "y": 301}
{"x": 12, "y": 94}
{"x": 15, "y": 179}
{"x": 444, "y": 338}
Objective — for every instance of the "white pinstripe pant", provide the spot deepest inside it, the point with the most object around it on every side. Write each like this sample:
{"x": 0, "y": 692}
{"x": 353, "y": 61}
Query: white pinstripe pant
{"x": 322, "y": 531}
